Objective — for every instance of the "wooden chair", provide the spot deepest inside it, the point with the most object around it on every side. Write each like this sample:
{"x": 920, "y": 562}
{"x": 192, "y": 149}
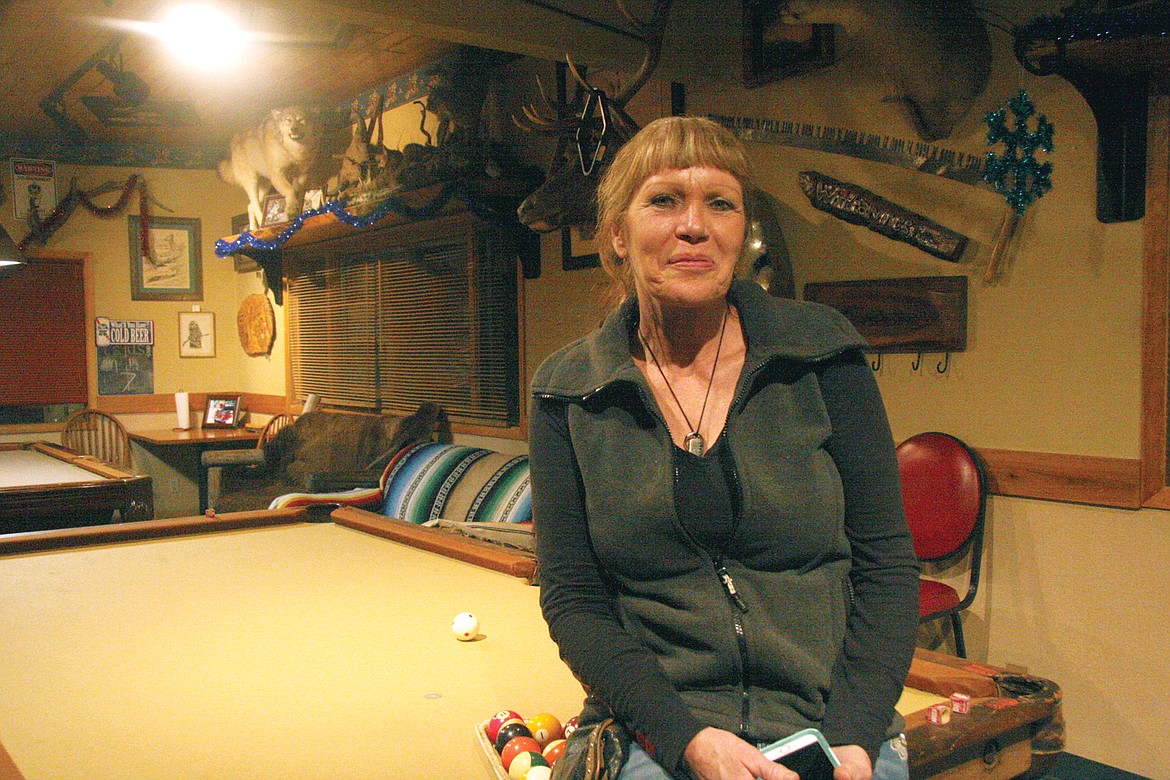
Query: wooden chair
{"x": 213, "y": 461}
{"x": 945, "y": 492}
{"x": 100, "y": 435}
{"x": 273, "y": 427}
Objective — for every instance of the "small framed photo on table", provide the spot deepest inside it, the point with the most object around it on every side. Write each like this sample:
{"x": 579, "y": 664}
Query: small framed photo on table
{"x": 223, "y": 411}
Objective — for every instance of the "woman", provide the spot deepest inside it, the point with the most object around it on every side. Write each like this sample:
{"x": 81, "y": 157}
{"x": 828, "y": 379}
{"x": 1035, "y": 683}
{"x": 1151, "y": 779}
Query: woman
{"x": 724, "y": 558}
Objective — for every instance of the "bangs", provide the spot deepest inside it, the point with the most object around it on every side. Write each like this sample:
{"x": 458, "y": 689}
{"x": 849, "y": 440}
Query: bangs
{"x": 677, "y": 145}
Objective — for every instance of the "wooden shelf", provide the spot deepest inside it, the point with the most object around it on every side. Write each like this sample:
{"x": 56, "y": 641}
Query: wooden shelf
{"x": 493, "y": 200}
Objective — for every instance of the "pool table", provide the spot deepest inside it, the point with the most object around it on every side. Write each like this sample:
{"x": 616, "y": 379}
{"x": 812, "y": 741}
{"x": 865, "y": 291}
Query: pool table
{"x": 45, "y": 485}
{"x": 277, "y": 644}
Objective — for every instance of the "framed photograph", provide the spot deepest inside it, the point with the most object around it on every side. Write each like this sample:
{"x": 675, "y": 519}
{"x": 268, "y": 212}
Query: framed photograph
{"x": 774, "y": 49}
{"x": 172, "y": 269}
{"x": 275, "y": 211}
{"x": 243, "y": 263}
{"x": 577, "y": 248}
{"x": 196, "y": 334}
{"x": 223, "y": 411}
{"x": 314, "y": 199}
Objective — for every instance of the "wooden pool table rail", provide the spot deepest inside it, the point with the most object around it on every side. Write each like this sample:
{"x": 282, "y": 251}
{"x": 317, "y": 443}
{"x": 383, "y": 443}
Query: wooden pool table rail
{"x": 516, "y": 563}
{"x": 1014, "y": 719}
{"x": 112, "y": 488}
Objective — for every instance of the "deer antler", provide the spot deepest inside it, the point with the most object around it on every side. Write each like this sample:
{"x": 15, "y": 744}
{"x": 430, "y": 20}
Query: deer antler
{"x": 651, "y": 32}
{"x": 553, "y": 117}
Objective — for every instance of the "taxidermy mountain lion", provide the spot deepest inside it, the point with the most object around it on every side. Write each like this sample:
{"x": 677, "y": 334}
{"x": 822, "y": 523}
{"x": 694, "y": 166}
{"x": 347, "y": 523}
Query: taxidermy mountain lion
{"x": 278, "y": 154}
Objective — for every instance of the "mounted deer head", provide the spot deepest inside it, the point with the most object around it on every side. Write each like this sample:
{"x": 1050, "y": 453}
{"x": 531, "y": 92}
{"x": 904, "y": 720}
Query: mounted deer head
{"x": 590, "y": 129}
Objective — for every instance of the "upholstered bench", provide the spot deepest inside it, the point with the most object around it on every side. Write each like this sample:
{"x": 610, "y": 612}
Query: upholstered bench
{"x": 447, "y": 484}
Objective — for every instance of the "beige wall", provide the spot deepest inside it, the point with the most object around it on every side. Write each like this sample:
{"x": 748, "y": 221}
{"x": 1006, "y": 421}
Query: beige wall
{"x": 183, "y": 193}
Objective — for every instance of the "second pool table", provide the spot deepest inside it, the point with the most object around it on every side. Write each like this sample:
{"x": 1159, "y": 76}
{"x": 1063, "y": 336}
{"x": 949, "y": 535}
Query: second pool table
{"x": 45, "y": 485}
{"x": 259, "y": 645}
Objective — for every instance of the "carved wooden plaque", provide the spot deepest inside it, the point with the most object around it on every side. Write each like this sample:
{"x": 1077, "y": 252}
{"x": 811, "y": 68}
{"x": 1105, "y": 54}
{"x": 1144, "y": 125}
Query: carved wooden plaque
{"x": 257, "y": 324}
{"x": 916, "y": 314}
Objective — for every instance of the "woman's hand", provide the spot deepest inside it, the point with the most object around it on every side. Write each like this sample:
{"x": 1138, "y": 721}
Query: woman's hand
{"x": 715, "y": 754}
{"x": 855, "y": 763}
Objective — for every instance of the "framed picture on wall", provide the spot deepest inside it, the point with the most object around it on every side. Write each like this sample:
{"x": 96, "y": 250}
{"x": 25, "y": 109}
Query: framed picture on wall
{"x": 170, "y": 266}
{"x": 774, "y": 49}
{"x": 223, "y": 411}
{"x": 196, "y": 334}
{"x": 243, "y": 263}
{"x": 577, "y": 248}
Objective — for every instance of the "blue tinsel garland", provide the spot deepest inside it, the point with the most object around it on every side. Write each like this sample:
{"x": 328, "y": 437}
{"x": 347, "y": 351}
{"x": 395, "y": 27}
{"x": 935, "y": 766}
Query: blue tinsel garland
{"x": 338, "y": 209}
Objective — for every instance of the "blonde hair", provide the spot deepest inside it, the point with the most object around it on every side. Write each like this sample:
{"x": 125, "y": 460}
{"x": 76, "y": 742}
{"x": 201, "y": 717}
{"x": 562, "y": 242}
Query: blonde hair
{"x": 673, "y": 142}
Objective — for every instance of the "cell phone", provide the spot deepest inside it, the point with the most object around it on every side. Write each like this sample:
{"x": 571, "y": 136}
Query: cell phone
{"x": 806, "y": 752}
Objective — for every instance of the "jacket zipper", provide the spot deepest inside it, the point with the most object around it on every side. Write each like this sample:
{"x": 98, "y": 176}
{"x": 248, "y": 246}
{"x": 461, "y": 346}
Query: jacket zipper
{"x": 721, "y": 572}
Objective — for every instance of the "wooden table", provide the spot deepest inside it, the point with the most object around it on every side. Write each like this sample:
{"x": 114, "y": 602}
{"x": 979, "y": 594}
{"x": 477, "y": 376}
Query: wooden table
{"x": 172, "y": 457}
{"x": 45, "y": 485}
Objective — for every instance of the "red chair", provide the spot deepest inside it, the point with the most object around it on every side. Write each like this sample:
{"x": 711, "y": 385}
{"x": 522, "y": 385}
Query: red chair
{"x": 944, "y": 491}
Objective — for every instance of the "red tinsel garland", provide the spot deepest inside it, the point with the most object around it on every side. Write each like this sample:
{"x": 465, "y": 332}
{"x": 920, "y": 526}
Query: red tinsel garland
{"x": 42, "y": 230}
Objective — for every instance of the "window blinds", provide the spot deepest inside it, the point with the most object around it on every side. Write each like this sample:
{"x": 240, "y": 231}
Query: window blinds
{"x": 389, "y": 327}
{"x": 43, "y": 333}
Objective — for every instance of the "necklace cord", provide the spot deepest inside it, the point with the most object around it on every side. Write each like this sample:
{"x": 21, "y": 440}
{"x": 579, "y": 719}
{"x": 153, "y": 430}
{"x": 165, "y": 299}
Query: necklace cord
{"x": 710, "y": 381}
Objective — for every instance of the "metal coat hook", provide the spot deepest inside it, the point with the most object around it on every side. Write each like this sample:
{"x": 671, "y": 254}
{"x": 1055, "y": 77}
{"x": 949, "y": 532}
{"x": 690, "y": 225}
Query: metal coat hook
{"x": 877, "y": 364}
{"x": 917, "y": 364}
{"x": 944, "y": 365}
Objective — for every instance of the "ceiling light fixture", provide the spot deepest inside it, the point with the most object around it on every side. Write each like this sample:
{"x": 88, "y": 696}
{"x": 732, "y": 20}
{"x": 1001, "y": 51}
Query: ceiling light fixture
{"x": 203, "y": 37}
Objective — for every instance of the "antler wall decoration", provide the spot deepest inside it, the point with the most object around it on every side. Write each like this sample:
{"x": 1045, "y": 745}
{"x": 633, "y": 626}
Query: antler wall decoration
{"x": 590, "y": 129}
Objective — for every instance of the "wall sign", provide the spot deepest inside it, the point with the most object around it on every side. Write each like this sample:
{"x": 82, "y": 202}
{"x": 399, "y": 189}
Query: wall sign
{"x": 125, "y": 356}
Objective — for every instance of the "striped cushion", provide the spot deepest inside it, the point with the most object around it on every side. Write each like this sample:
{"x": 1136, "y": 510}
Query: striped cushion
{"x": 429, "y": 481}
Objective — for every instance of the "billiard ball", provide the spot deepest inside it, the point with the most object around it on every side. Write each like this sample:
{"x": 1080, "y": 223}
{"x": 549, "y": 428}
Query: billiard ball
{"x": 570, "y": 726}
{"x": 545, "y": 728}
{"x": 499, "y": 719}
{"x": 553, "y": 750}
{"x": 465, "y": 626}
{"x": 515, "y": 747}
{"x": 539, "y": 773}
{"x": 508, "y": 731}
{"x": 523, "y": 763}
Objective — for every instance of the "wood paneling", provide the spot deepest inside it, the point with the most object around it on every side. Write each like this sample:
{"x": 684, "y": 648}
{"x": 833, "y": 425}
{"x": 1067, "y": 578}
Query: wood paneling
{"x": 1077, "y": 479}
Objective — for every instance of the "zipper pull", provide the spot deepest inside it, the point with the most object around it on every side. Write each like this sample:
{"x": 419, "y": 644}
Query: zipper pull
{"x": 729, "y": 586}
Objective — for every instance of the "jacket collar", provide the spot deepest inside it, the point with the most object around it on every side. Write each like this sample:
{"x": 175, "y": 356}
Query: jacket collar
{"x": 774, "y": 327}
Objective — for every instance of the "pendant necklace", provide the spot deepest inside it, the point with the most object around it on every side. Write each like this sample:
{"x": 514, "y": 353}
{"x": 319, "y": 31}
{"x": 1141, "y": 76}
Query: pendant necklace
{"x": 693, "y": 441}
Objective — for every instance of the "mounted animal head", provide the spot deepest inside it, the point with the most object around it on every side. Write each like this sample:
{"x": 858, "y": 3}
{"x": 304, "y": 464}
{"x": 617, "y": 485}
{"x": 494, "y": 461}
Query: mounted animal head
{"x": 590, "y": 130}
{"x": 934, "y": 54}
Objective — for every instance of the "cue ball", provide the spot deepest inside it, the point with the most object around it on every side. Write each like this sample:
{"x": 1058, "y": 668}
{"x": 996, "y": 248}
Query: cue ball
{"x": 465, "y": 626}
{"x": 539, "y": 773}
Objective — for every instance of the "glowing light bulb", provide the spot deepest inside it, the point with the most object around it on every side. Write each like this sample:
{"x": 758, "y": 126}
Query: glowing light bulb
{"x": 203, "y": 37}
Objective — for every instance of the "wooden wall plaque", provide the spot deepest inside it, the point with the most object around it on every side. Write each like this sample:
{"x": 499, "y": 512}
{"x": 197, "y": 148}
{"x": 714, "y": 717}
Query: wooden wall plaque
{"x": 915, "y": 314}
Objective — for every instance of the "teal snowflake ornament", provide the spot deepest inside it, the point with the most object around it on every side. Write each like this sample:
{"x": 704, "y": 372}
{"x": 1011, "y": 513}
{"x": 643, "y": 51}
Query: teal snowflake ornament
{"x": 1016, "y": 174}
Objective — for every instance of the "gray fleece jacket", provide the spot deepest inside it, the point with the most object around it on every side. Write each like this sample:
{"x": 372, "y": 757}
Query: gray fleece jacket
{"x": 806, "y": 617}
